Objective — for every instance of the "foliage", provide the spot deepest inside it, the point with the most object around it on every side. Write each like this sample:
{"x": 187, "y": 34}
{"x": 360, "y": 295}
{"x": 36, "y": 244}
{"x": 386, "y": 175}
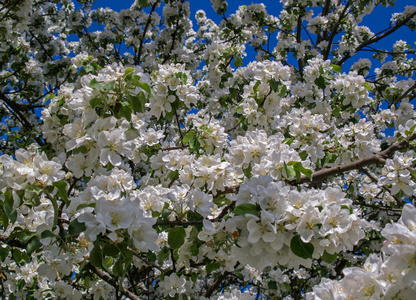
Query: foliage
{"x": 177, "y": 170}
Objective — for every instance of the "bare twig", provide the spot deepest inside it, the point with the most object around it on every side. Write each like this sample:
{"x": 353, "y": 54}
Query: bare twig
{"x": 379, "y": 37}
{"x": 107, "y": 278}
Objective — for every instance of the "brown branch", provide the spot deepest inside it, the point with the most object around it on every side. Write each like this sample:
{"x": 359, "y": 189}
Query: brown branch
{"x": 321, "y": 175}
{"x": 373, "y": 179}
{"x": 232, "y": 128}
{"x": 216, "y": 284}
{"x": 148, "y": 262}
{"x": 179, "y": 126}
{"x": 406, "y": 93}
{"x": 146, "y": 27}
{"x": 376, "y": 39}
{"x": 174, "y": 36}
{"x": 299, "y": 40}
{"x": 107, "y": 278}
{"x": 386, "y": 208}
{"x": 196, "y": 222}
{"x": 174, "y": 147}
{"x": 335, "y": 31}
{"x": 379, "y": 158}
{"x": 41, "y": 45}
{"x": 324, "y": 34}
{"x": 228, "y": 190}
{"x": 15, "y": 110}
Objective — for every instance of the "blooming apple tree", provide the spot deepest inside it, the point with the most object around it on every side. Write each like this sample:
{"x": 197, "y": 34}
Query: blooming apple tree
{"x": 150, "y": 160}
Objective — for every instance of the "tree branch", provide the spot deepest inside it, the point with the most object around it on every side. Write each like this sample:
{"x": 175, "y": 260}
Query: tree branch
{"x": 373, "y": 179}
{"x": 298, "y": 41}
{"x": 321, "y": 175}
{"x": 406, "y": 93}
{"x": 146, "y": 27}
{"x": 376, "y": 39}
{"x": 216, "y": 284}
{"x": 379, "y": 158}
{"x": 107, "y": 278}
{"x": 334, "y": 32}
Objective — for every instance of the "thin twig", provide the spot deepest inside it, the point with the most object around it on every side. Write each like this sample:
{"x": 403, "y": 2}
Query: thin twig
{"x": 107, "y": 278}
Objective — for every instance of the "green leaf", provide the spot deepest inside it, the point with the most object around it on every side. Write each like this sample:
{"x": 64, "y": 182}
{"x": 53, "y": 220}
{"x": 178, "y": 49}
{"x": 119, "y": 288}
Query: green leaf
{"x": 94, "y": 84}
{"x": 246, "y": 208}
{"x": 166, "y": 213}
{"x": 328, "y": 158}
{"x": 194, "y": 216}
{"x": 8, "y": 198}
{"x": 247, "y": 171}
{"x": 4, "y": 219}
{"x": 188, "y": 136}
{"x": 12, "y": 214}
{"x": 173, "y": 175}
{"x": 320, "y": 82}
{"x": 194, "y": 249}
{"x": 125, "y": 112}
{"x": 274, "y": 85}
{"x": 96, "y": 256}
{"x": 138, "y": 102}
{"x": 47, "y": 234}
{"x": 163, "y": 255}
{"x": 194, "y": 144}
{"x": 367, "y": 86}
{"x": 238, "y": 62}
{"x": 282, "y": 90}
{"x": 119, "y": 267}
{"x": 349, "y": 208}
{"x": 131, "y": 134}
{"x": 212, "y": 267}
{"x": 329, "y": 258}
{"x": 290, "y": 172}
{"x": 4, "y": 252}
{"x": 243, "y": 124}
{"x": 336, "y": 68}
{"x": 25, "y": 236}
{"x": 49, "y": 96}
{"x": 182, "y": 76}
{"x": 61, "y": 186}
{"x": 256, "y": 86}
{"x": 207, "y": 130}
{"x": 410, "y": 131}
{"x": 336, "y": 112}
{"x": 176, "y": 237}
{"x": 111, "y": 250}
{"x": 151, "y": 256}
{"x": 135, "y": 79}
{"x": 301, "y": 249}
{"x": 128, "y": 73}
{"x": 272, "y": 285}
{"x": 109, "y": 86}
{"x": 289, "y": 141}
{"x": 303, "y": 155}
{"x": 222, "y": 200}
{"x": 413, "y": 173}
{"x": 300, "y": 168}
{"x": 33, "y": 245}
{"x": 20, "y": 257}
{"x": 84, "y": 205}
{"x": 144, "y": 86}
{"x": 94, "y": 102}
{"x": 143, "y": 3}
{"x": 76, "y": 227}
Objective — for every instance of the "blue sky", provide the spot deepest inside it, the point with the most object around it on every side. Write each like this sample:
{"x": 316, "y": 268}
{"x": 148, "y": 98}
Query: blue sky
{"x": 378, "y": 20}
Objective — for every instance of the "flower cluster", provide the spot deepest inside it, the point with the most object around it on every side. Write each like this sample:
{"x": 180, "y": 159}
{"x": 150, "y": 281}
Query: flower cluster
{"x": 381, "y": 277}
{"x": 184, "y": 168}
